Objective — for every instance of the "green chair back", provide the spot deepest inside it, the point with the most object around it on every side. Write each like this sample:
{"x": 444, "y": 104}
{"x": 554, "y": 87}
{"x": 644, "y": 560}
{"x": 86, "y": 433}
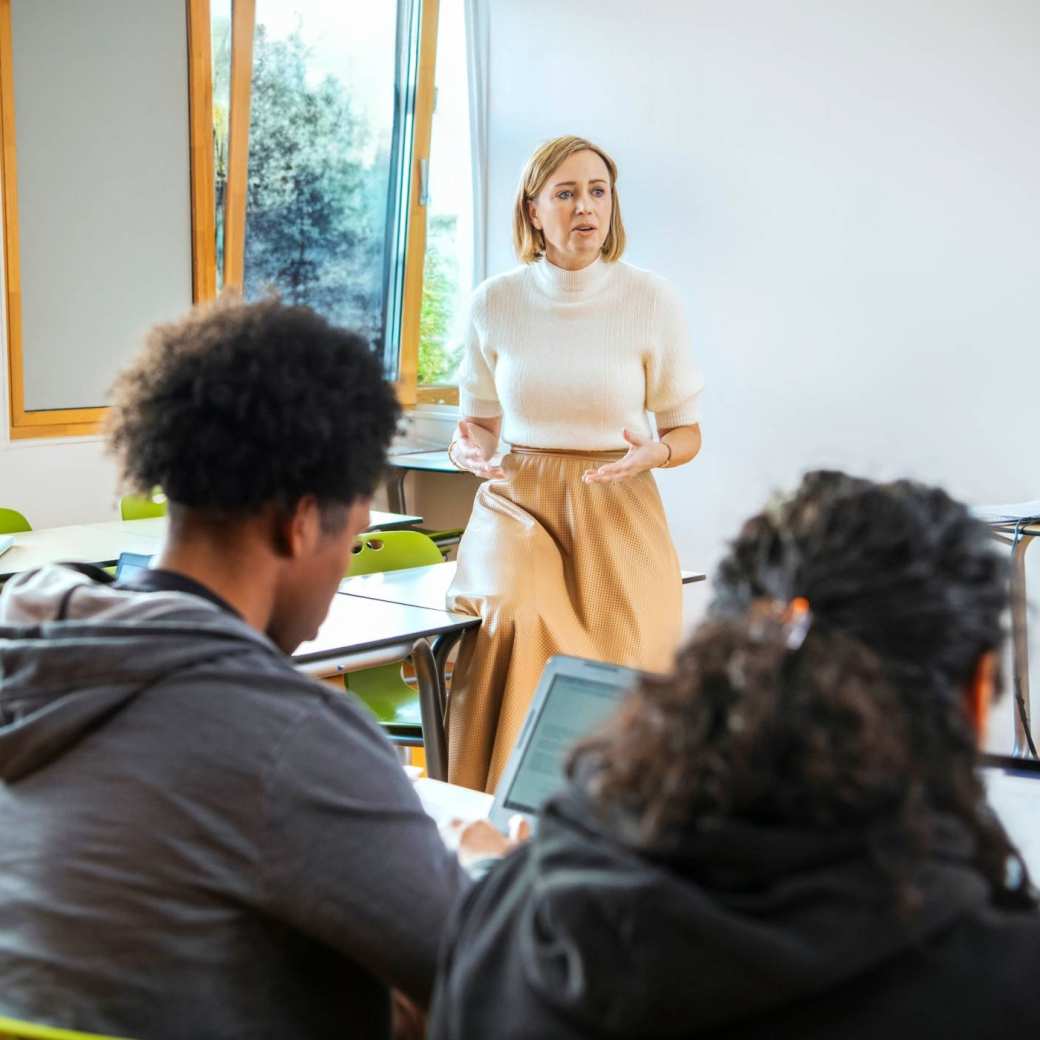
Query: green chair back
{"x": 12, "y": 1029}
{"x": 380, "y": 551}
{"x": 11, "y": 522}
{"x": 387, "y": 696}
{"x": 135, "y": 507}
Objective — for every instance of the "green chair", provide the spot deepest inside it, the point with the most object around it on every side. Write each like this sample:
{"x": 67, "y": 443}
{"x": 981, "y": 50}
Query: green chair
{"x": 136, "y": 507}
{"x": 11, "y": 1029}
{"x": 444, "y": 540}
{"x": 11, "y": 522}
{"x": 376, "y": 552}
{"x": 394, "y": 703}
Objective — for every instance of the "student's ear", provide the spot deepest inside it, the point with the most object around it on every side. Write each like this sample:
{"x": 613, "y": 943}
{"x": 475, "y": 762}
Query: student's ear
{"x": 980, "y": 692}
{"x": 296, "y": 529}
{"x": 532, "y": 212}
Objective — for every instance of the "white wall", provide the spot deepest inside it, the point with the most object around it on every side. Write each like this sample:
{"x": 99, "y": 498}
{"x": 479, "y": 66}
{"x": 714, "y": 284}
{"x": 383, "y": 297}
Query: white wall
{"x": 846, "y": 193}
{"x": 55, "y": 481}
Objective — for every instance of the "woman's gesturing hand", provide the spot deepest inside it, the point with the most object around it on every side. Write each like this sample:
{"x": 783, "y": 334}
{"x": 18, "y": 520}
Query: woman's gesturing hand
{"x": 474, "y": 449}
{"x": 644, "y": 453}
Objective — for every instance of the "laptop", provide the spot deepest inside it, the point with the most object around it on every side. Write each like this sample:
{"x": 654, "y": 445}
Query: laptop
{"x": 574, "y": 696}
{"x": 129, "y": 564}
{"x": 1013, "y": 790}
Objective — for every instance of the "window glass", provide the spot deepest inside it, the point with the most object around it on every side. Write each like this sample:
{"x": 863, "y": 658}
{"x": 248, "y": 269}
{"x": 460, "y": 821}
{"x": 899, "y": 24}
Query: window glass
{"x": 321, "y": 196}
{"x": 448, "y": 268}
{"x": 220, "y": 36}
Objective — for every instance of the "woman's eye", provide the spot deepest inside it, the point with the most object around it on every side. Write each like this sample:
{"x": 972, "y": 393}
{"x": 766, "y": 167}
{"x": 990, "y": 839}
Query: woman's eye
{"x": 564, "y": 195}
{"x": 599, "y": 192}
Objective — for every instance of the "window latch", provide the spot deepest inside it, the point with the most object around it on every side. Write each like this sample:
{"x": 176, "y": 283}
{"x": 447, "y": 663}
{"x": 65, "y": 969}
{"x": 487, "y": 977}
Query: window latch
{"x": 424, "y": 181}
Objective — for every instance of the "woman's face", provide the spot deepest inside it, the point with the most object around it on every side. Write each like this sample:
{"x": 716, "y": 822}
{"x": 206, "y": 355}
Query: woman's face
{"x": 573, "y": 210}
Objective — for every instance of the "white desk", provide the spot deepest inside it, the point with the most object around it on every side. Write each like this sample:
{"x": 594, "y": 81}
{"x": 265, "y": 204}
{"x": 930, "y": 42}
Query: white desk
{"x": 398, "y": 467}
{"x": 102, "y": 543}
{"x": 425, "y": 586}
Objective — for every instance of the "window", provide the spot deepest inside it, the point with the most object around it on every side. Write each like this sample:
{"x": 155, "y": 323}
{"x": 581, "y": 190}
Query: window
{"x": 305, "y": 169}
{"x": 97, "y": 197}
{"x": 324, "y": 198}
{"x": 448, "y": 266}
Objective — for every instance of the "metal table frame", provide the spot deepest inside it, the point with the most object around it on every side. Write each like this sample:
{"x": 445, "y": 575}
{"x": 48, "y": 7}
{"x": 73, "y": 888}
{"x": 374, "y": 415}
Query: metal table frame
{"x": 1019, "y": 535}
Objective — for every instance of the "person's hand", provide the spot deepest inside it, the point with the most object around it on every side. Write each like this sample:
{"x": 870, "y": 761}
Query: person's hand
{"x": 479, "y": 839}
{"x": 643, "y": 453}
{"x": 474, "y": 449}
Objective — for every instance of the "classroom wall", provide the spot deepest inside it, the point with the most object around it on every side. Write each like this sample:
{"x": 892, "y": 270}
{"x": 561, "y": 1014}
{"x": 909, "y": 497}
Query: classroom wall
{"x": 845, "y": 192}
{"x": 56, "y": 480}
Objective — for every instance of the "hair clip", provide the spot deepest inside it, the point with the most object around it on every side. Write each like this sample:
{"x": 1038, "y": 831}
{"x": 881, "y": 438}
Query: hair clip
{"x": 798, "y": 620}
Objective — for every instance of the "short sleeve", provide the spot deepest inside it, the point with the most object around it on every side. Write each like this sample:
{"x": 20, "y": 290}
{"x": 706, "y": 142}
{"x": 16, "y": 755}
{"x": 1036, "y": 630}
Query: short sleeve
{"x": 673, "y": 381}
{"x": 477, "y": 394}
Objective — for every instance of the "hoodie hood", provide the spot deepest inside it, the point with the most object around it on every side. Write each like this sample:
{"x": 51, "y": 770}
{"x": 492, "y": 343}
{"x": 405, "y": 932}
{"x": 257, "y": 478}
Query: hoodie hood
{"x": 595, "y": 939}
{"x": 74, "y": 649}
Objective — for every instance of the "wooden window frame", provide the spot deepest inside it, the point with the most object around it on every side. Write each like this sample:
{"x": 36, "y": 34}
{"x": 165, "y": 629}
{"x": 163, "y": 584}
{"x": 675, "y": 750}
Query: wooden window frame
{"x": 243, "y": 22}
{"x": 78, "y": 422}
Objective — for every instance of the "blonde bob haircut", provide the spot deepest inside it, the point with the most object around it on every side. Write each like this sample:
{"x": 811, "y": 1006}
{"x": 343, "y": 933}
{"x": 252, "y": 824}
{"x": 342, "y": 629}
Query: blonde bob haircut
{"x": 528, "y": 241}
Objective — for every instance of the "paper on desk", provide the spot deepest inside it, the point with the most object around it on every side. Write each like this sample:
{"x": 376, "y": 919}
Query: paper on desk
{"x": 446, "y": 802}
{"x": 1008, "y": 514}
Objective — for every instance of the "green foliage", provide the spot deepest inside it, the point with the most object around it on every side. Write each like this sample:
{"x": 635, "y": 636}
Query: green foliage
{"x": 437, "y": 358}
{"x": 317, "y": 203}
{"x": 315, "y": 208}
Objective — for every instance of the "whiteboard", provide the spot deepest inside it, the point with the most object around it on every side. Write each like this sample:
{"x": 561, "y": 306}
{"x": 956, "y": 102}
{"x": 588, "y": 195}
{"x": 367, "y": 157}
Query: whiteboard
{"x": 104, "y": 202}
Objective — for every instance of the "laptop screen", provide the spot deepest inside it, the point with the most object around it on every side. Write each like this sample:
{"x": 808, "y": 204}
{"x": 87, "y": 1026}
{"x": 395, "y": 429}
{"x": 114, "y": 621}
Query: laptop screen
{"x": 572, "y": 708}
{"x": 130, "y": 563}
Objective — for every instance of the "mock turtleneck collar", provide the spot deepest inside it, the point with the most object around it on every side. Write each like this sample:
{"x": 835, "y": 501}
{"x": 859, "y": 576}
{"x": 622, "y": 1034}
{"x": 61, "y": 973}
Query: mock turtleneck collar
{"x": 570, "y": 285}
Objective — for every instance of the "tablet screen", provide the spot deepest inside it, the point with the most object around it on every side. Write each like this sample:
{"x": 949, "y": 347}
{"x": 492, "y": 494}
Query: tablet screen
{"x": 572, "y": 709}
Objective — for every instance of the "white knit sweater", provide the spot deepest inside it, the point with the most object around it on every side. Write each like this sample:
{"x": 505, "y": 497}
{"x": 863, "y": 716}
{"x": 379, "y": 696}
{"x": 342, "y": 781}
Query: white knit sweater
{"x": 569, "y": 359}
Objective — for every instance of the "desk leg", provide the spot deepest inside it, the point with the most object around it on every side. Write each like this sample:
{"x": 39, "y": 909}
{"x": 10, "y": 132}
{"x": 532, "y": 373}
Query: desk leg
{"x": 1024, "y": 747}
{"x": 430, "y": 678}
{"x": 442, "y": 647}
{"x": 395, "y": 489}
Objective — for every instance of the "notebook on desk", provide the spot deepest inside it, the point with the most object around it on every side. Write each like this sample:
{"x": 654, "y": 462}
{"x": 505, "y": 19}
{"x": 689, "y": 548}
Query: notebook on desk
{"x": 573, "y": 697}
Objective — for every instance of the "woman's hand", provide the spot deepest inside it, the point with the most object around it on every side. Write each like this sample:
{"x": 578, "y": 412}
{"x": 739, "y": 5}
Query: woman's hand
{"x": 644, "y": 453}
{"x": 474, "y": 449}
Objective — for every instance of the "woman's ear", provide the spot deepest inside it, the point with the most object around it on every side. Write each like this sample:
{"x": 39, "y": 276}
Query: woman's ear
{"x": 532, "y": 212}
{"x": 980, "y": 693}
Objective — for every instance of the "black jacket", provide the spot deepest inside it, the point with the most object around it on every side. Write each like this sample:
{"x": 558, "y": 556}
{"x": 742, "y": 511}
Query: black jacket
{"x": 196, "y": 840}
{"x": 740, "y": 932}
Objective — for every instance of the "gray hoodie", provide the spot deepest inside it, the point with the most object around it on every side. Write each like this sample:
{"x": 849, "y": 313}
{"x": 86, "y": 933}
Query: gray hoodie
{"x": 196, "y": 840}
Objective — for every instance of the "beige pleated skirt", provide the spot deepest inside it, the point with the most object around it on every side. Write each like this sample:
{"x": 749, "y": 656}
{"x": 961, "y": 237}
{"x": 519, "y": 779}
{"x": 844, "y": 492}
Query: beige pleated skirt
{"x": 553, "y": 566}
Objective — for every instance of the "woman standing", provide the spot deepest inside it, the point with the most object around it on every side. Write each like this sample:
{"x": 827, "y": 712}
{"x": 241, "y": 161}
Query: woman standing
{"x": 567, "y": 550}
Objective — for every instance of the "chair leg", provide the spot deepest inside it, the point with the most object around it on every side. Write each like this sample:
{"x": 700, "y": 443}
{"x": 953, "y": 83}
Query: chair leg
{"x": 429, "y": 681}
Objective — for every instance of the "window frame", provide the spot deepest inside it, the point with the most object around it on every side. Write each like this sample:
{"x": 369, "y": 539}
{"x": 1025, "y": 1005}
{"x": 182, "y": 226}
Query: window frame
{"x": 72, "y": 422}
{"x": 78, "y": 422}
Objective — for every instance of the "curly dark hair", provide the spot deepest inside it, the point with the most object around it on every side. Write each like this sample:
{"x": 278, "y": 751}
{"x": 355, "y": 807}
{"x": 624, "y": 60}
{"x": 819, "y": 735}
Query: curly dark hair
{"x": 239, "y": 405}
{"x": 865, "y": 725}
